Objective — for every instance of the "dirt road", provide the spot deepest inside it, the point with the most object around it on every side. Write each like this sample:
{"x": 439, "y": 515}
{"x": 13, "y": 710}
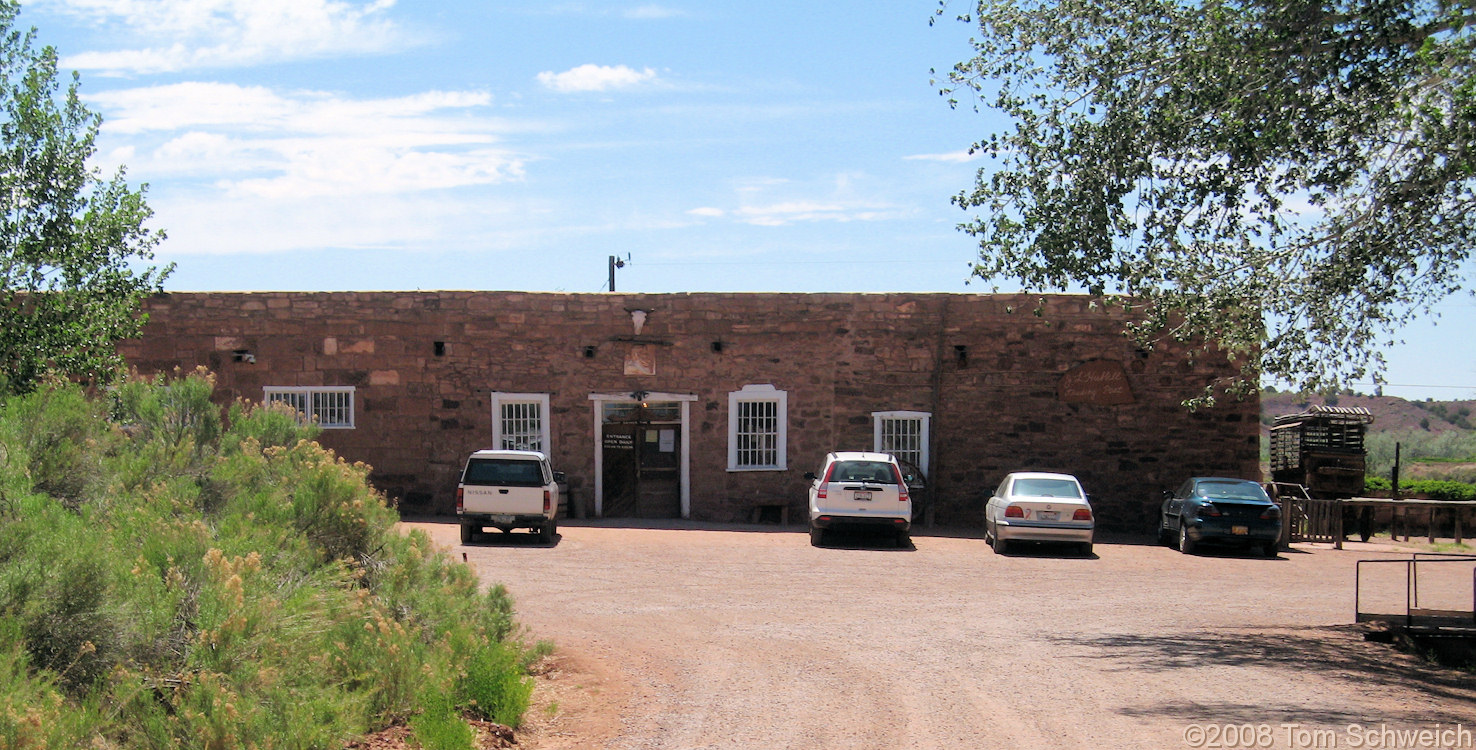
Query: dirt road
{"x": 694, "y": 636}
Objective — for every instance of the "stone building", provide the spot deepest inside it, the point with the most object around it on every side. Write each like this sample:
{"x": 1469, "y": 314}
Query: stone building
{"x": 710, "y": 406}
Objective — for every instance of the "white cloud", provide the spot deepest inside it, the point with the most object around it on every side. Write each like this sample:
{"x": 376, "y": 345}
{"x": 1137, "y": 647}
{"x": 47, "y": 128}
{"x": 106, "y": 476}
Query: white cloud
{"x": 651, "y": 11}
{"x": 186, "y": 34}
{"x": 952, "y": 157}
{"x": 776, "y": 202}
{"x": 590, "y": 77}
{"x": 254, "y": 141}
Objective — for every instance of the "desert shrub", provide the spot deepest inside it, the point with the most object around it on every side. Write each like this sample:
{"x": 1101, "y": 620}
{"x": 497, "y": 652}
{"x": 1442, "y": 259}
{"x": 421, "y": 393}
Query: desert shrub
{"x": 63, "y": 437}
{"x": 269, "y": 425}
{"x": 34, "y": 715}
{"x": 1435, "y": 489}
{"x": 54, "y": 584}
{"x": 494, "y": 685}
{"x": 439, "y": 726}
{"x": 226, "y": 585}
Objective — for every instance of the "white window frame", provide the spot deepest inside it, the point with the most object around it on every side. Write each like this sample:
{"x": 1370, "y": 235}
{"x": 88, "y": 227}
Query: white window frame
{"x": 760, "y": 394}
{"x": 307, "y": 394}
{"x": 498, "y": 427}
{"x": 926, "y": 420}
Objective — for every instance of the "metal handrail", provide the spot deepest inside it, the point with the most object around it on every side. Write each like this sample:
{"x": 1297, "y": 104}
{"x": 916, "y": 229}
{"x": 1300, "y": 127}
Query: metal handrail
{"x": 1411, "y": 581}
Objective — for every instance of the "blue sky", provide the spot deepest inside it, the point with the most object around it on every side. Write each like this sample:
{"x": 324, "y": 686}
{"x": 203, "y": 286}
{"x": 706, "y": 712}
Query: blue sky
{"x": 476, "y": 144}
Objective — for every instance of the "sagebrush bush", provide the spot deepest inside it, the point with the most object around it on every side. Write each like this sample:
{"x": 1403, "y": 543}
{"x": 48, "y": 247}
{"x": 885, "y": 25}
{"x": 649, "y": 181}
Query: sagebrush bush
{"x": 494, "y": 684}
{"x": 179, "y": 581}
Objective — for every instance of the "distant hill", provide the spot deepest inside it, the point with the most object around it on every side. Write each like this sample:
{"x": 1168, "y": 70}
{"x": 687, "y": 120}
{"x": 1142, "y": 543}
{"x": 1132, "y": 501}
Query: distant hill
{"x": 1391, "y": 414}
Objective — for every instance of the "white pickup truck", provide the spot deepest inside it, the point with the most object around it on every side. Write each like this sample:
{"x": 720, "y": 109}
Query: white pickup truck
{"x": 508, "y": 490}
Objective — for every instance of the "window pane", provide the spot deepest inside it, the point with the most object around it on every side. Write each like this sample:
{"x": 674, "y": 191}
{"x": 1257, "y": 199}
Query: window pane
{"x": 333, "y": 408}
{"x": 522, "y": 426}
{"x": 298, "y": 400}
{"x": 902, "y": 437}
{"x": 758, "y": 433}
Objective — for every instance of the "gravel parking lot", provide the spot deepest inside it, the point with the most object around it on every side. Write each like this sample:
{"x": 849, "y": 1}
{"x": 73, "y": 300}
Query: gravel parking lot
{"x": 677, "y": 635}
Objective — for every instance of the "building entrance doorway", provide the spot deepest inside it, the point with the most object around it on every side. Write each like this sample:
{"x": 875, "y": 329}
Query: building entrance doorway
{"x": 642, "y": 459}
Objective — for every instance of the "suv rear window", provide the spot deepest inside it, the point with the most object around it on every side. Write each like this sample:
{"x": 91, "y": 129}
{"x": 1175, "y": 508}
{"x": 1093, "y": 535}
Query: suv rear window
{"x": 875, "y": 472}
{"x": 504, "y": 472}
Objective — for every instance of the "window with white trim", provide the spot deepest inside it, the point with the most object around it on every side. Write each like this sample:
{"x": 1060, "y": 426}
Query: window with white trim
{"x": 758, "y": 429}
{"x": 903, "y": 434}
{"x": 330, "y": 406}
{"x": 520, "y": 421}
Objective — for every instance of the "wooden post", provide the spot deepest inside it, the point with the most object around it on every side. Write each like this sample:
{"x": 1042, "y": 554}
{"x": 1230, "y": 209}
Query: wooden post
{"x": 1338, "y": 523}
{"x": 1432, "y": 524}
{"x": 1457, "y": 529}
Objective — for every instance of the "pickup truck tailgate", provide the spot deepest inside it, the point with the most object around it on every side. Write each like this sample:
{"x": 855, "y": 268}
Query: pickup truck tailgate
{"x": 504, "y": 486}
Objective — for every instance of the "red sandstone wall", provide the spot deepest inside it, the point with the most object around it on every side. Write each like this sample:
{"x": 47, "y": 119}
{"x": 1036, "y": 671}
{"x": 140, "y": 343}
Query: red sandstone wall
{"x": 839, "y": 356}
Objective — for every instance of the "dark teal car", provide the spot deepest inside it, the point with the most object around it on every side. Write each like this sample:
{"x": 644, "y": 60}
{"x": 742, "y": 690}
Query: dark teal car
{"x": 1223, "y": 511}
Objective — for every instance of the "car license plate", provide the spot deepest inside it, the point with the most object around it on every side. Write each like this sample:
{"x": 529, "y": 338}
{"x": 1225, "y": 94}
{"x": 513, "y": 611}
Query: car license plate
{"x": 862, "y": 496}
{"x": 1240, "y": 530}
{"x": 1048, "y": 515}
{"x": 502, "y": 519}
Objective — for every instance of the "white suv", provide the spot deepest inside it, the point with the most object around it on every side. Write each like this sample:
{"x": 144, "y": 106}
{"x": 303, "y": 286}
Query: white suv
{"x": 859, "y": 489}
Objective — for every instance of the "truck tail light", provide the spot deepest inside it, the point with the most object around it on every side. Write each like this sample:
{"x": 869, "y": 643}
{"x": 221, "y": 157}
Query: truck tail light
{"x": 460, "y": 500}
{"x": 547, "y": 501}
{"x": 1082, "y": 514}
{"x": 820, "y": 492}
{"x": 1014, "y": 511}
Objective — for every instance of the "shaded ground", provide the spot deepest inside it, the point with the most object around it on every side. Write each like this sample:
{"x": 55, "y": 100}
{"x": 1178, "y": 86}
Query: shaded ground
{"x": 676, "y": 635}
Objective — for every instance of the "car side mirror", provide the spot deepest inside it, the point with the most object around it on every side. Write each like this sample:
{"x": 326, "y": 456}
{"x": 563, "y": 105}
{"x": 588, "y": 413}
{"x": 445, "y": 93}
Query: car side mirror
{"x": 810, "y": 475}
{"x": 561, "y": 478}
{"x": 908, "y": 478}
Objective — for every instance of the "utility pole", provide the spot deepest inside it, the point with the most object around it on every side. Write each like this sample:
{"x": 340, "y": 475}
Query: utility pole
{"x": 614, "y": 264}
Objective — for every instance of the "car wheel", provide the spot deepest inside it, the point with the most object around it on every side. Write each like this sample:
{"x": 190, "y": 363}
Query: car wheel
{"x": 546, "y": 534}
{"x": 467, "y": 533}
{"x": 1000, "y": 545}
{"x": 903, "y": 540}
{"x": 1086, "y": 549}
{"x": 817, "y": 535}
{"x": 1186, "y": 544}
{"x": 1271, "y": 549}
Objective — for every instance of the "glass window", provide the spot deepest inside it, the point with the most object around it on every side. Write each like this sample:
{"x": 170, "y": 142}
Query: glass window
{"x": 508, "y": 472}
{"x": 904, "y": 435}
{"x": 331, "y": 407}
{"x": 1044, "y": 487}
{"x": 871, "y": 472}
{"x": 757, "y": 429}
{"x": 520, "y": 422}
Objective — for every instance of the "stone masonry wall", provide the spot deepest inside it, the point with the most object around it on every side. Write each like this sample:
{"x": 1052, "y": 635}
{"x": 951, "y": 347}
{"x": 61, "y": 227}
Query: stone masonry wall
{"x": 988, "y": 370}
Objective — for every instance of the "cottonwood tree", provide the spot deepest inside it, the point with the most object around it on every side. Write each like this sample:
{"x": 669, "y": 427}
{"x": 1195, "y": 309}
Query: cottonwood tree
{"x": 69, "y": 239}
{"x": 1292, "y": 180}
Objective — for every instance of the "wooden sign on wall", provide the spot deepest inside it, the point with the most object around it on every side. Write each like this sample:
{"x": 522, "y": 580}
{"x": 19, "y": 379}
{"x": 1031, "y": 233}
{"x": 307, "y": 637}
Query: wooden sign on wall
{"x": 1101, "y": 382}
